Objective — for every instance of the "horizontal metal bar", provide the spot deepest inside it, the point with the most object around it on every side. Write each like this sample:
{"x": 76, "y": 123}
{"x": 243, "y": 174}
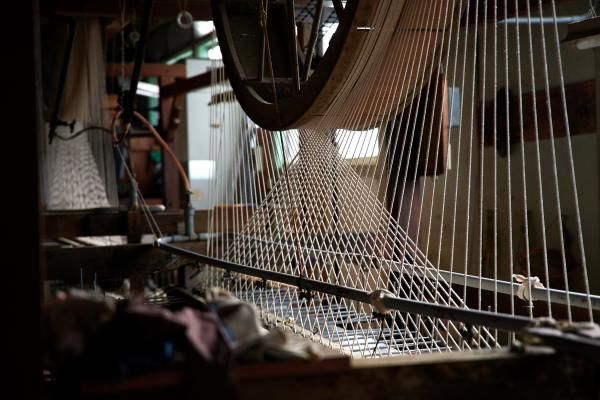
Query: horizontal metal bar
{"x": 575, "y": 299}
{"x": 567, "y": 19}
{"x": 472, "y": 317}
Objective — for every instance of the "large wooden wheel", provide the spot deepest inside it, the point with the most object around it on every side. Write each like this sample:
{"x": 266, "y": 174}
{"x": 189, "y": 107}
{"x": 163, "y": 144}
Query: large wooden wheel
{"x": 357, "y": 68}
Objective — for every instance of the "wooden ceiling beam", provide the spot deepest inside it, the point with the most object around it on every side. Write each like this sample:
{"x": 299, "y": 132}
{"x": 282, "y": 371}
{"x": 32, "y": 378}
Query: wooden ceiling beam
{"x": 148, "y": 70}
{"x": 163, "y": 9}
{"x": 183, "y": 86}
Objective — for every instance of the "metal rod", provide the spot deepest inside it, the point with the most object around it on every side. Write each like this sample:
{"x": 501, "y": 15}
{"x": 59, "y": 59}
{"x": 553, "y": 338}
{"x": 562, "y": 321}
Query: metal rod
{"x": 473, "y": 317}
{"x": 293, "y": 44}
{"x": 134, "y": 200}
{"x": 140, "y": 50}
{"x": 314, "y": 34}
{"x": 557, "y": 296}
{"x": 543, "y": 20}
{"x": 72, "y": 22}
{"x": 189, "y": 215}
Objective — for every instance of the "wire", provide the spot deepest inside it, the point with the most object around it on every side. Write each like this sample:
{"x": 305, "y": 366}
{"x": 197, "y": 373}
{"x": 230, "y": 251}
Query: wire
{"x": 117, "y": 139}
{"x": 81, "y": 132}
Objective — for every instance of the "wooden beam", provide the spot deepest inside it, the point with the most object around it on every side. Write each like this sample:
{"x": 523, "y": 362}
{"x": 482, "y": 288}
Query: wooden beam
{"x": 84, "y": 223}
{"x": 183, "y": 86}
{"x": 221, "y": 97}
{"x": 191, "y": 45}
{"x": 106, "y": 222}
{"x": 339, "y": 8}
{"x": 166, "y": 105}
{"x": 495, "y": 374}
{"x": 163, "y": 9}
{"x": 148, "y": 70}
{"x": 480, "y": 374}
{"x": 70, "y": 264}
{"x": 581, "y": 107}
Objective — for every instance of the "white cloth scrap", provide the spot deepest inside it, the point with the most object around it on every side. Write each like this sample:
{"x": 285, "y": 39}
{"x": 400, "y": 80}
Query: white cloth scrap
{"x": 525, "y": 286}
{"x": 376, "y": 298}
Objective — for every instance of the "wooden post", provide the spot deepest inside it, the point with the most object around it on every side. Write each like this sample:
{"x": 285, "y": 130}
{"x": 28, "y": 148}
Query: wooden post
{"x": 22, "y": 85}
{"x": 171, "y": 179}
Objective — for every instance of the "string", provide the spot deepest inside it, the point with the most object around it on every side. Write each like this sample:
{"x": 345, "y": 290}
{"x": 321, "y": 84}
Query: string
{"x": 324, "y": 211}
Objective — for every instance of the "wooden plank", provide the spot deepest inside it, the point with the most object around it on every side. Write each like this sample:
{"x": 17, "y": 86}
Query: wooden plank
{"x": 222, "y": 97}
{"x": 581, "y": 108}
{"x": 249, "y": 372}
{"x": 339, "y": 8}
{"x": 489, "y": 375}
{"x": 171, "y": 103}
{"x": 587, "y": 27}
{"x": 84, "y": 223}
{"x": 163, "y": 9}
{"x": 105, "y": 222}
{"x": 496, "y": 374}
{"x": 68, "y": 264}
{"x": 161, "y": 385}
{"x": 148, "y": 70}
{"x": 187, "y": 46}
{"x": 172, "y": 186}
{"x": 183, "y": 86}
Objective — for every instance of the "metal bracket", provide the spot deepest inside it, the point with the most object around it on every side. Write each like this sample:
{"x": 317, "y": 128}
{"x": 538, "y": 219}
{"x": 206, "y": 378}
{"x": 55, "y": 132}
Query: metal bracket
{"x": 581, "y": 339}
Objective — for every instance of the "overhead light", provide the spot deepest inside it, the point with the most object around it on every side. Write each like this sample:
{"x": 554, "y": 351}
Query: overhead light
{"x": 202, "y": 28}
{"x": 201, "y": 169}
{"x": 148, "y": 90}
{"x": 584, "y": 34}
{"x": 214, "y": 53}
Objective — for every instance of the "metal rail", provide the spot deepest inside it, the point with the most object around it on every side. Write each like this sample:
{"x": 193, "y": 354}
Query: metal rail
{"x": 472, "y": 317}
{"x": 557, "y": 296}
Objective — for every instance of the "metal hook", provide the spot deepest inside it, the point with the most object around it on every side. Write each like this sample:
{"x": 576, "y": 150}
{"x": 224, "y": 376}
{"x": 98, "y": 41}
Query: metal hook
{"x": 185, "y": 20}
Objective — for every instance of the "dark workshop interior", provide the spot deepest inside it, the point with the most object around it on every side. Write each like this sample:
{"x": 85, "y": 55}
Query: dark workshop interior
{"x": 325, "y": 199}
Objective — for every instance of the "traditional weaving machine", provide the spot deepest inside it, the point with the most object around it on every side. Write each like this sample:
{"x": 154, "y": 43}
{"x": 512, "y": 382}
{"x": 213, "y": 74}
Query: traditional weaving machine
{"x": 387, "y": 178}
{"x": 401, "y": 195}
